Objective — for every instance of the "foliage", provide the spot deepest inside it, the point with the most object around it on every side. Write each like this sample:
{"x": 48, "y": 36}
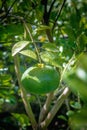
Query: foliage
{"x": 53, "y": 33}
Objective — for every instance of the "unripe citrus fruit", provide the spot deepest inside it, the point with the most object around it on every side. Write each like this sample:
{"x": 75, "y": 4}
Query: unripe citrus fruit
{"x": 40, "y": 79}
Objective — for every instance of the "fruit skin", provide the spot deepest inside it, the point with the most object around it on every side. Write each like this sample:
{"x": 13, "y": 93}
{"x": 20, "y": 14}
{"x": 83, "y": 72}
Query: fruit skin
{"x": 40, "y": 80}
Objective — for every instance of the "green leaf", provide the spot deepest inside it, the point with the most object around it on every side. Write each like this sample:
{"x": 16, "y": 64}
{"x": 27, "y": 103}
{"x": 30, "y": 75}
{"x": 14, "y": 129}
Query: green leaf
{"x": 62, "y": 117}
{"x": 76, "y": 105}
{"x": 70, "y": 32}
{"x": 52, "y": 58}
{"x": 79, "y": 119}
{"x": 19, "y": 46}
{"x": 77, "y": 85}
{"x": 50, "y": 47}
{"x": 42, "y": 27}
{"x": 5, "y": 80}
{"x": 70, "y": 113}
{"x": 29, "y": 53}
{"x": 82, "y": 61}
{"x": 82, "y": 42}
{"x": 22, "y": 118}
{"x": 47, "y": 56}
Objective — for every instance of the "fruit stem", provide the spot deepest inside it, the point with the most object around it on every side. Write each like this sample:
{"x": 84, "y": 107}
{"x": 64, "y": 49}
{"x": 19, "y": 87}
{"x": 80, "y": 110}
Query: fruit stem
{"x": 36, "y": 49}
{"x": 23, "y": 94}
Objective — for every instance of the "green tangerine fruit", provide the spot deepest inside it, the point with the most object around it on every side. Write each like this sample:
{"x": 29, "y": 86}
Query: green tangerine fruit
{"x": 40, "y": 79}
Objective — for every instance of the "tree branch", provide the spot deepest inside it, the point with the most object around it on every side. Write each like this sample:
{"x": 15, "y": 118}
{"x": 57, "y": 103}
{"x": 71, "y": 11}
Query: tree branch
{"x": 45, "y": 14}
{"x": 55, "y": 108}
{"x": 59, "y": 13}
{"x": 23, "y": 94}
{"x": 45, "y": 21}
{"x": 51, "y": 7}
{"x": 45, "y": 108}
{"x": 9, "y": 9}
{"x": 3, "y": 3}
{"x": 49, "y": 35}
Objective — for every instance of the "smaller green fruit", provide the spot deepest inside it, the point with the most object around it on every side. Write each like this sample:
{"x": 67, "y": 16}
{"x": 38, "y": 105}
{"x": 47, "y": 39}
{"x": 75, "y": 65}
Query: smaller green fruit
{"x": 40, "y": 79}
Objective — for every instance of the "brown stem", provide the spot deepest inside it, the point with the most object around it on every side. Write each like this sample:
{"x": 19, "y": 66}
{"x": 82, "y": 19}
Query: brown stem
{"x": 49, "y": 35}
{"x": 55, "y": 108}
{"x": 45, "y": 108}
{"x": 23, "y": 94}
